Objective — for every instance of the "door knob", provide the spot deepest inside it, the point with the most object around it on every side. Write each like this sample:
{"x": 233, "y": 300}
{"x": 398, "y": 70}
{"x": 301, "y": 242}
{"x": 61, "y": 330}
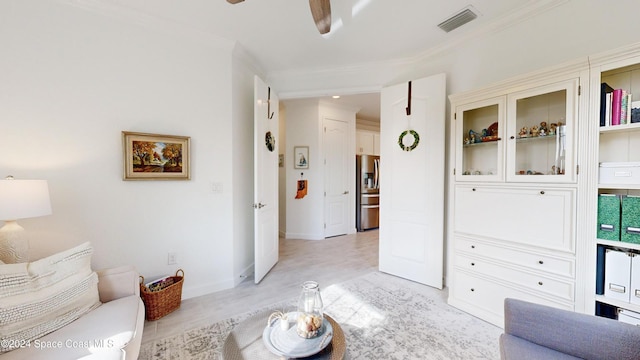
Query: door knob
{"x": 259, "y": 205}
{"x": 345, "y": 193}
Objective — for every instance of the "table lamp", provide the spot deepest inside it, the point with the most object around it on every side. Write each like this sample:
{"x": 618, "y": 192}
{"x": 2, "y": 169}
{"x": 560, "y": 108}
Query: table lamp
{"x": 20, "y": 199}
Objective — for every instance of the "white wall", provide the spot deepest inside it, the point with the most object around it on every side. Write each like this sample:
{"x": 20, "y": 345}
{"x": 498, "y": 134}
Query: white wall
{"x": 70, "y": 81}
{"x": 305, "y": 217}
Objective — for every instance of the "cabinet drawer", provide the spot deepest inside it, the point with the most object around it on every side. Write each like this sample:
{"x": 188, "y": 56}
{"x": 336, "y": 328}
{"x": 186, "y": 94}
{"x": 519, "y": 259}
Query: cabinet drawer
{"x": 551, "y": 264}
{"x": 561, "y": 289}
{"x": 541, "y": 217}
{"x": 485, "y": 298}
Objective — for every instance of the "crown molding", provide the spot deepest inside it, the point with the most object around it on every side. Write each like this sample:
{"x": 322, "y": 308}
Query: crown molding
{"x": 240, "y": 53}
{"x": 532, "y": 9}
{"x": 611, "y": 58}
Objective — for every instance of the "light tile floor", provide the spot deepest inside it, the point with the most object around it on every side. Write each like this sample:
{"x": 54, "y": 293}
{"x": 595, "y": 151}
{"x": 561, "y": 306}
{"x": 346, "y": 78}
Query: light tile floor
{"x": 328, "y": 262}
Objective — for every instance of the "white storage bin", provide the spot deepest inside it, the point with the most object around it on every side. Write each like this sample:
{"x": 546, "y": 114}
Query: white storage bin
{"x": 635, "y": 280}
{"x": 620, "y": 173}
{"x": 629, "y": 317}
{"x": 617, "y": 276}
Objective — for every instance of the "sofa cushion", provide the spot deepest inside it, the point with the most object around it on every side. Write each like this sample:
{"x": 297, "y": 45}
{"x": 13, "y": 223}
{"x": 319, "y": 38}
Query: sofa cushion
{"x": 40, "y": 297}
{"x": 101, "y": 333}
{"x": 515, "y": 348}
{"x": 580, "y": 335}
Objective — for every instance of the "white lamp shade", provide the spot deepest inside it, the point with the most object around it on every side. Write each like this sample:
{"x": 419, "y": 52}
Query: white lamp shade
{"x": 21, "y": 199}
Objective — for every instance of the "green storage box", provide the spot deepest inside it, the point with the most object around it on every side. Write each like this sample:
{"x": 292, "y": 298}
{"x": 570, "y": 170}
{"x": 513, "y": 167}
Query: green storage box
{"x": 609, "y": 217}
{"x": 630, "y": 219}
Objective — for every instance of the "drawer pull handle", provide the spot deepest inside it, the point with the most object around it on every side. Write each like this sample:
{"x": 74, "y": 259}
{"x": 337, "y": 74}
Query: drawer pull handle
{"x": 540, "y": 262}
{"x": 540, "y": 283}
{"x": 512, "y": 137}
{"x": 606, "y": 227}
{"x": 472, "y": 289}
{"x": 473, "y": 246}
{"x": 474, "y": 189}
{"x": 541, "y": 192}
{"x": 618, "y": 288}
{"x": 633, "y": 230}
{"x": 473, "y": 264}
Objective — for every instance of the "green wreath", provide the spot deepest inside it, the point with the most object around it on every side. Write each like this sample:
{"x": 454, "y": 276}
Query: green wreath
{"x": 416, "y": 140}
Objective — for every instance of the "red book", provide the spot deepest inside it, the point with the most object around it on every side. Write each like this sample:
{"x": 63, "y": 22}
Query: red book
{"x": 616, "y": 106}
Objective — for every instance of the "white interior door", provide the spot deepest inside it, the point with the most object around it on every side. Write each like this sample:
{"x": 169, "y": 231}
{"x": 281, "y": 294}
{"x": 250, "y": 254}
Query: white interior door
{"x": 412, "y": 182}
{"x": 336, "y": 179}
{"x": 265, "y": 118}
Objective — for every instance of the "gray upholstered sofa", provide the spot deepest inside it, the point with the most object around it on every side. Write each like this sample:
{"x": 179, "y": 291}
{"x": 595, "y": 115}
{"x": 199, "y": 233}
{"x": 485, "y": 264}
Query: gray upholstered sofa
{"x": 533, "y": 331}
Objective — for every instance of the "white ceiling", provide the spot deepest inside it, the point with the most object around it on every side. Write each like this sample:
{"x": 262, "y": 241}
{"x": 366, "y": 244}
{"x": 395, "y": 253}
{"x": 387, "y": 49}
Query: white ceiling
{"x": 281, "y": 35}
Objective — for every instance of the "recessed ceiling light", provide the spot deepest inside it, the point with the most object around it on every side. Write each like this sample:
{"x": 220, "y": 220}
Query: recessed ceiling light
{"x": 336, "y": 96}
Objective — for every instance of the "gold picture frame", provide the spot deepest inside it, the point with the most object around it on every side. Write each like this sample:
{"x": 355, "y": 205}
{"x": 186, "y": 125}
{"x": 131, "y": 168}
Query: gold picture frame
{"x": 155, "y": 156}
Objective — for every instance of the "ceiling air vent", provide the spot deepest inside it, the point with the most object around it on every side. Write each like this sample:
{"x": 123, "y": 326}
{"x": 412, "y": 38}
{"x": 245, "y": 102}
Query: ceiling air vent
{"x": 457, "y": 20}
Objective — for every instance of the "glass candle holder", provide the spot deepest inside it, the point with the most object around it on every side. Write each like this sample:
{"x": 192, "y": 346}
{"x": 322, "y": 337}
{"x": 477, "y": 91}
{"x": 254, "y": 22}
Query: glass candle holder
{"x": 309, "y": 321}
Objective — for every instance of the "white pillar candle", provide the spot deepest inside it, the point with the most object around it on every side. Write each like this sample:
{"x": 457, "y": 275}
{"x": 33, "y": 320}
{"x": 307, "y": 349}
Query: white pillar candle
{"x": 284, "y": 323}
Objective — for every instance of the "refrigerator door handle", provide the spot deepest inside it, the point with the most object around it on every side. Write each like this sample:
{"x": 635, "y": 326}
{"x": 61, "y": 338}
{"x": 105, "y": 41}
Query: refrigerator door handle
{"x": 376, "y": 164}
{"x": 370, "y": 206}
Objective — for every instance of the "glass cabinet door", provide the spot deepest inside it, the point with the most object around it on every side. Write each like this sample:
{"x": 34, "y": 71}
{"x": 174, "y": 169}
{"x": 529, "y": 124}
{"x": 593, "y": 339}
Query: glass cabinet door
{"x": 479, "y": 133}
{"x": 540, "y": 127}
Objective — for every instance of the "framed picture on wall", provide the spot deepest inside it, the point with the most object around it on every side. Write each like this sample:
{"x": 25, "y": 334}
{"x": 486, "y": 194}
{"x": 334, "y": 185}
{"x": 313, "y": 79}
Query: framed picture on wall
{"x": 300, "y": 157}
{"x": 155, "y": 157}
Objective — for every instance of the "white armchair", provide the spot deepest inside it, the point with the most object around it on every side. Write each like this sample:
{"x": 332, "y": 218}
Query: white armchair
{"x": 111, "y": 331}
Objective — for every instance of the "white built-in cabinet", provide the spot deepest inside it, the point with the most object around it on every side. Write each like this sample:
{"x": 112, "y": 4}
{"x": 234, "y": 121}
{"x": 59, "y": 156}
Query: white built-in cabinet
{"x": 367, "y": 142}
{"x": 513, "y": 193}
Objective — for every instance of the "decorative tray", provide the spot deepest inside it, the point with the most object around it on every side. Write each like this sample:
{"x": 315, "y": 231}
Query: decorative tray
{"x": 289, "y": 344}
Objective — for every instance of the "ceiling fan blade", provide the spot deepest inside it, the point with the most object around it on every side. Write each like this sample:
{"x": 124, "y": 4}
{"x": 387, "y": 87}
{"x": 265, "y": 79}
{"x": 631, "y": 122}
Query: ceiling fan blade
{"x": 234, "y": 1}
{"x": 321, "y": 11}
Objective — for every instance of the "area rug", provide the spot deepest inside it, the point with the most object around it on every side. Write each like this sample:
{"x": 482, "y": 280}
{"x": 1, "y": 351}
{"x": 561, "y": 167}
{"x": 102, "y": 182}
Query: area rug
{"x": 382, "y": 316}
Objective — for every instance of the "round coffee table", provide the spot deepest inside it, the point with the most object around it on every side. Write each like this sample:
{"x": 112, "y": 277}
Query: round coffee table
{"x": 245, "y": 341}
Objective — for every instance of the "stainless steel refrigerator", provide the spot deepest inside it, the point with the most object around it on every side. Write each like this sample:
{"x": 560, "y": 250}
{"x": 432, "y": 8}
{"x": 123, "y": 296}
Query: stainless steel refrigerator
{"x": 367, "y": 191}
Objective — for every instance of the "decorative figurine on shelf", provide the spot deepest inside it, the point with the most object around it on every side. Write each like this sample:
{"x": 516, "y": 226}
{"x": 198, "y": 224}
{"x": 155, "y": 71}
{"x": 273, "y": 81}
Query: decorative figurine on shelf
{"x": 493, "y": 129}
{"x": 543, "y": 129}
{"x": 475, "y": 137}
{"x": 524, "y": 132}
{"x": 534, "y": 131}
{"x": 552, "y": 128}
{"x": 467, "y": 141}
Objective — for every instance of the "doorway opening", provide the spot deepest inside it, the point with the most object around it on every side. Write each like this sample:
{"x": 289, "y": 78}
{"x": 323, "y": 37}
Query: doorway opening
{"x": 363, "y": 138}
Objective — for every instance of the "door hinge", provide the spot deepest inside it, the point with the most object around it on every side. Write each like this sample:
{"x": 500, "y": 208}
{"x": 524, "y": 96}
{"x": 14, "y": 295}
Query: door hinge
{"x": 325, "y": 225}
{"x": 325, "y": 194}
{"x": 455, "y": 116}
{"x": 325, "y": 129}
{"x": 577, "y": 169}
{"x": 579, "y": 90}
{"x": 454, "y": 171}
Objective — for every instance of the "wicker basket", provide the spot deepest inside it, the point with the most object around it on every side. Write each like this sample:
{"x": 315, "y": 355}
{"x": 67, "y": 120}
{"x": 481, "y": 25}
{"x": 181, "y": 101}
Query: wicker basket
{"x": 163, "y": 299}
